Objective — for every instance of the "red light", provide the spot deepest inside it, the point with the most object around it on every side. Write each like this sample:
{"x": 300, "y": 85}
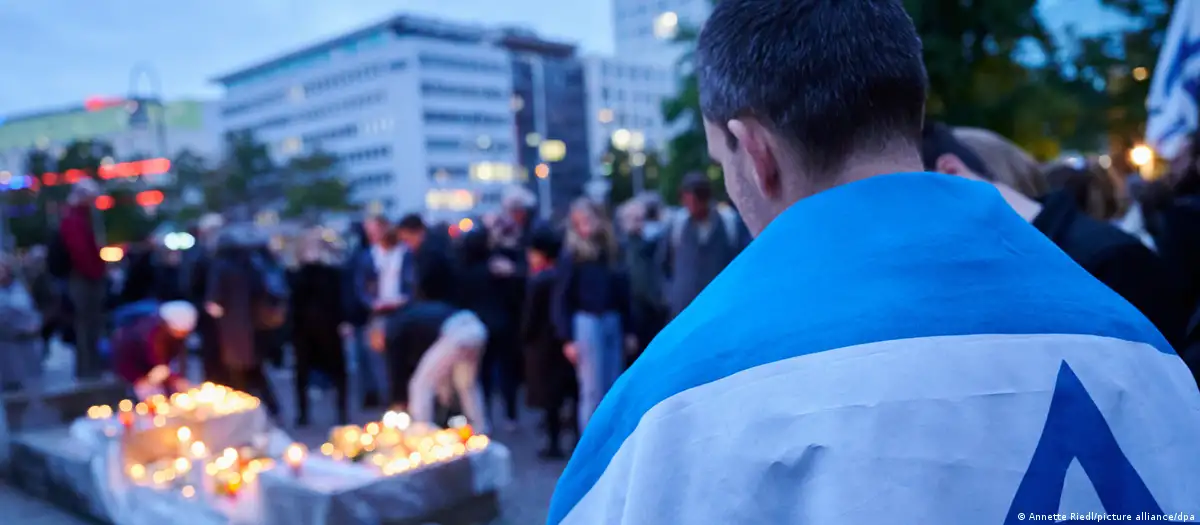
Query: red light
{"x": 99, "y": 103}
{"x": 150, "y": 198}
{"x": 104, "y": 202}
{"x": 49, "y": 179}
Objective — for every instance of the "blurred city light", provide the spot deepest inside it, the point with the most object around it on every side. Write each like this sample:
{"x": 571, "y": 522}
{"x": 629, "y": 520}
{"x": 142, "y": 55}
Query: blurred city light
{"x": 552, "y": 150}
{"x": 542, "y": 171}
{"x": 104, "y": 202}
{"x": 666, "y": 25}
{"x": 112, "y": 254}
{"x": 1141, "y": 155}
{"x": 466, "y": 225}
{"x": 179, "y": 241}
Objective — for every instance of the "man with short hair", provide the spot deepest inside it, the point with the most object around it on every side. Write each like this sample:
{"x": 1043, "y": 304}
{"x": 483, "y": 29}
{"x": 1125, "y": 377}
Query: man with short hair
{"x": 82, "y": 232}
{"x": 701, "y": 241}
{"x": 894, "y": 346}
{"x": 430, "y": 268}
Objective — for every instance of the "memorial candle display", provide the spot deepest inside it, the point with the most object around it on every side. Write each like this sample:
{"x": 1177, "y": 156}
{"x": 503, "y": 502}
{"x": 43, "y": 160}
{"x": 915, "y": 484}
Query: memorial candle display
{"x": 205, "y": 401}
{"x": 396, "y": 445}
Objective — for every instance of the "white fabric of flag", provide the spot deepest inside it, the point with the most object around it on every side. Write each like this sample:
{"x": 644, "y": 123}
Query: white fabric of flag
{"x": 903, "y": 349}
{"x": 1172, "y": 105}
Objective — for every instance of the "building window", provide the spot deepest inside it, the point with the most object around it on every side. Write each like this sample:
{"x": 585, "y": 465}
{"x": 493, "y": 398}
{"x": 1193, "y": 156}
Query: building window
{"x": 366, "y": 155}
{"x": 340, "y": 132}
{"x": 493, "y": 172}
{"x": 462, "y": 64}
{"x": 438, "y": 88}
{"x": 447, "y": 199}
{"x": 444, "y": 174}
{"x": 449, "y": 117}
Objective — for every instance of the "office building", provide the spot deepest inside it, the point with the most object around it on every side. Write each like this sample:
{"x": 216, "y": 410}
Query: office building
{"x": 550, "y": 101}
{"x": 136, "y": 129}
{"x": 420, "y": 112}
{"x": 625, "y": 100}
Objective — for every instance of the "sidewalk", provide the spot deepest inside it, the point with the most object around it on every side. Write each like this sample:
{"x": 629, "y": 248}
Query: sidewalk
{"x": 22, "y": 508}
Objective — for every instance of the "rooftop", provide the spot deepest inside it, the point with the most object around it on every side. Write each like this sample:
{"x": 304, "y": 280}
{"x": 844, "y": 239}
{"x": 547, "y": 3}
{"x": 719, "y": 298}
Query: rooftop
{"x": 396, "y": 26}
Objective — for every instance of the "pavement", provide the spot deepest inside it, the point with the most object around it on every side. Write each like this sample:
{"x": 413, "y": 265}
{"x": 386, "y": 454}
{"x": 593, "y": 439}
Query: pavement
{"x": 523, "y": 502}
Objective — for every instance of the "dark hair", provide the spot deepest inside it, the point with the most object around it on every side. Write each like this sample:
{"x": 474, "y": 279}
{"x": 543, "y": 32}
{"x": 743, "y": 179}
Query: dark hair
{"x": 697, "y": 184}
{"x": 938, "y": 139}
{"x": 546, "y": 242}
{"x": 411, "y": 223}
{"x": 834, "y": 76}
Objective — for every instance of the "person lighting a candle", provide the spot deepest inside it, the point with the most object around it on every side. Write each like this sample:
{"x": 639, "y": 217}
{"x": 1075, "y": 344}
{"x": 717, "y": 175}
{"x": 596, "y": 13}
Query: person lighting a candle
{"x": 144, "y": 348}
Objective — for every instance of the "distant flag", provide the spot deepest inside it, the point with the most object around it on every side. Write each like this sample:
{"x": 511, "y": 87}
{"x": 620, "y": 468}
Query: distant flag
{"x": 1172, "y": 102}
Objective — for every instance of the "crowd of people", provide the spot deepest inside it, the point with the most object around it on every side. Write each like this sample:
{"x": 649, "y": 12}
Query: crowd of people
{"x": 516, "y": 309}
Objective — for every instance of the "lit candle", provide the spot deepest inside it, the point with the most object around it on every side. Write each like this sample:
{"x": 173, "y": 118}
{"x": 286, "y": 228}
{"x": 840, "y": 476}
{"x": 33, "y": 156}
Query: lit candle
{"x": 125, "y": 405}
{"x": 294, "y": 456}
{"x": 199, "y": 451}
{"x": 137, "y": 472}
{"x": 185, "y": 435}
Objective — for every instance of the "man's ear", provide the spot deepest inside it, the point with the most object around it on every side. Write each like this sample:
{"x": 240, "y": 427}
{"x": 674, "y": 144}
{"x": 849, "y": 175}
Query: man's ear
{"x": 757, "y": 153}
{"x": 950, "y": 164}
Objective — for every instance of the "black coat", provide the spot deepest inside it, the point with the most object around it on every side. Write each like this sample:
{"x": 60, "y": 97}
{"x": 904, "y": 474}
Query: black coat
{"x": 1118, "y": 260}
{"x": 316, "y": 318}
{"x": 548, "y": 374}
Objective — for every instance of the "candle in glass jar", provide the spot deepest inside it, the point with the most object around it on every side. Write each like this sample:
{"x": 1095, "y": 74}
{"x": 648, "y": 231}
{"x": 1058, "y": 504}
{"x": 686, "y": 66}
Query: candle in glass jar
{"x": 126, "y": 419}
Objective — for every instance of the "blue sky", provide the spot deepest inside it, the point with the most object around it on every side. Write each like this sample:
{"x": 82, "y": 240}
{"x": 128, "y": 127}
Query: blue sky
{"x": 58, "y": 52}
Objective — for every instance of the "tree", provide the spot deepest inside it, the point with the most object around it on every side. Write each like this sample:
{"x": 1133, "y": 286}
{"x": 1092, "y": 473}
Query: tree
{"x": 687, "y": 152}
{"x": 314, "y": 186}
{"x": 234, "y": 185}
{"x": 620, "y": 169}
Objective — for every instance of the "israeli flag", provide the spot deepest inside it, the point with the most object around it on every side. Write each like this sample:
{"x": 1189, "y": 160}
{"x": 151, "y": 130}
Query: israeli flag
{"x": 1172, "y": 102}
{"x": 904, "y": 349}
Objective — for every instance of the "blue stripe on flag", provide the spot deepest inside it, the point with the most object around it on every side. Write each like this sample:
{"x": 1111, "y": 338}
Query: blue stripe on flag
{"x": 891, "y": 257}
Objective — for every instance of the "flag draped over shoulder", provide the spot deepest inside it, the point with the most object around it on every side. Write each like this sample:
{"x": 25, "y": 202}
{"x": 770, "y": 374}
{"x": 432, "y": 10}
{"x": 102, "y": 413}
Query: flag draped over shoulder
{"x": 1172, "y": 102}
{"x": 903, "y": 349}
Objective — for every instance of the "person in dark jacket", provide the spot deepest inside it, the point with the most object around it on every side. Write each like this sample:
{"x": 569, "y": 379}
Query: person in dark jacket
{"x": 408, "y": 333}
{"x": 317, "y": 326}
{"x": 232, "y": 282}
{"x": 144, "y": 347}
{"x": 380, "y": 287}
{"x": 1112, "y": 256}
{"x": 550, "y": 378}
{"x": 479, "y": 293}
{"x": 640, "y": 252}
{"x": 139, "y": 283}
{"x": 195, "y": 269}
{"x": 431, "y": 274}
{"x": 591, "y": 305}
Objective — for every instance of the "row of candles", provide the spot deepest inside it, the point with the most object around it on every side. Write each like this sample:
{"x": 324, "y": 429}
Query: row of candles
{"x": 227, "y": 473}
{"x": 397, "y": 445}
{"x": 207, "y": 400}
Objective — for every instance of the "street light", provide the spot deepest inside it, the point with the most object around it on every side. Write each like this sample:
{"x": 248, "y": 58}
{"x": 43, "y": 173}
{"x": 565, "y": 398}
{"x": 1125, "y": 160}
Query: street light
{"x": 1141, "y": 155}
{"x": 632, "y": 142}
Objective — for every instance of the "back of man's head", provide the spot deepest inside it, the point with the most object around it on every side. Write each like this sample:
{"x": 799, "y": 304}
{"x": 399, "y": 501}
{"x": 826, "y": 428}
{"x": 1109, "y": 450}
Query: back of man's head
{"x": 411, "y": 223}
{"x": 803, "y": 87}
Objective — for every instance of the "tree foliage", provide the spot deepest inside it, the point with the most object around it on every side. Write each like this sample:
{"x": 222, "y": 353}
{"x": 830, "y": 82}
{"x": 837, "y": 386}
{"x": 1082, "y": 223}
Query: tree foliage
{"x": 314, "y": 186}
{"x": 996, "y": 65}
{"x": 620, "y": 168}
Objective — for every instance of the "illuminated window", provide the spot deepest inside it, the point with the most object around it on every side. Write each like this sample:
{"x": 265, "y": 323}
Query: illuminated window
{"x": 296, "y": 94}
{"x": 493, "y": 172}
{"x": 452, "y": 200}
{"x": 606, "y": 116}
{"x": 291, "y": 145}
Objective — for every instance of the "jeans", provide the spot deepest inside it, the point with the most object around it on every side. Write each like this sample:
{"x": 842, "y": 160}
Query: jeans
{"x": 599, "y": 340}
{"x": 88, "y": 297}
{"x": 368, "y": 364}
{"x": 453, "y": 359}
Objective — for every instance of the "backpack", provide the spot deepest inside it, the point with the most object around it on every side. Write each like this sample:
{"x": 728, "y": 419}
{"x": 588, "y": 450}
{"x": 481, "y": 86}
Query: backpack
{"x": 270, "y": 297}
{"x": 58, "y": 259}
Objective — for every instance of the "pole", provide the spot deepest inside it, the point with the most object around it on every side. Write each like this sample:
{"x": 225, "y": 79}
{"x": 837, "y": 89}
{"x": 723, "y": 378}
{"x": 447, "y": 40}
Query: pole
{"x": 539, "y": 95}
{"x": 639, "y": 180}
{"x": 150, "y": 74}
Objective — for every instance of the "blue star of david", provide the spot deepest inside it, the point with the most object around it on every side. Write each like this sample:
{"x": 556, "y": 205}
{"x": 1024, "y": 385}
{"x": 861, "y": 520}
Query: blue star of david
{"x": 1075, "y": 429}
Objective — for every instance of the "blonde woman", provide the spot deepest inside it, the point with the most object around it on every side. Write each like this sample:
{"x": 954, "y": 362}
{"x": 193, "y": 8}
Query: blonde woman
{"x": 591, "y": 304}
{"x": 318, "y": 323}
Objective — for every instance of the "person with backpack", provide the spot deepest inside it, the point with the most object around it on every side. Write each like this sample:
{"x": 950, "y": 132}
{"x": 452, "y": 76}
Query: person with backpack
{"x": 234, "y": 283}
{"x": 700, "y": 242}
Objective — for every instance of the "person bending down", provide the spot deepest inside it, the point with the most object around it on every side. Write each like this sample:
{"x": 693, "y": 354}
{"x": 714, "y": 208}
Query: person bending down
{"x": 452, "y": 361}
{"x": 143, "y": 349}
